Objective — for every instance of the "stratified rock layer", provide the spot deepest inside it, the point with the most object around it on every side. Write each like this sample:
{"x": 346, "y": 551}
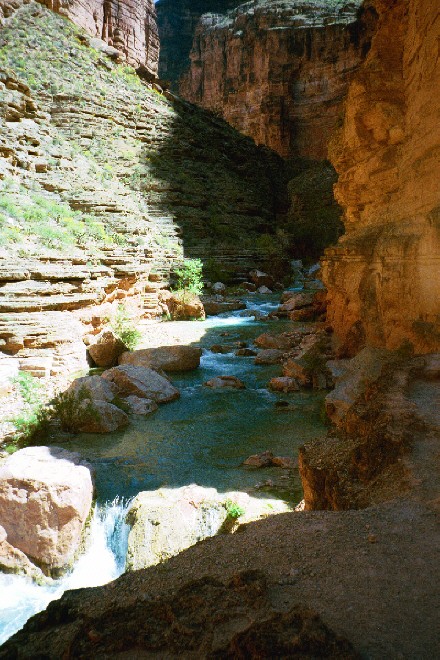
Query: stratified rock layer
{"x": 105, "y": 186}
{"x": 383, "y": 277}
{"x": 128, "y": 26}
{"x": 278, "y": 71}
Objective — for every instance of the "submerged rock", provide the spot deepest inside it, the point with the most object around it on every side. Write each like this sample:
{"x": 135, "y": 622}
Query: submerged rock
{"x": 225, "y": 381}
{"x": 45, "y": 499}
{"x": 269, "y": 356}
{"x": 138, "y": 406}
{"x": 283, "y": 384}
{"x": 144, "y": 383}
{"x": 168, "y": 358}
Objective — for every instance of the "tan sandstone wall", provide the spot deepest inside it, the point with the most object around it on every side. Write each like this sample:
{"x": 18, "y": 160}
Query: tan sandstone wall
{"x": 384, "y": 275}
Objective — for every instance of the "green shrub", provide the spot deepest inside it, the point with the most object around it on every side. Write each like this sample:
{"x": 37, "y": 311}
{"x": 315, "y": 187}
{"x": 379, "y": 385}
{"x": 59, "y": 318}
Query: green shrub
{"x": 233, "y": 510}
{"x": 124, "y": 327}
{"x": 32, "y": 421}
{"x": 189, "y": 276}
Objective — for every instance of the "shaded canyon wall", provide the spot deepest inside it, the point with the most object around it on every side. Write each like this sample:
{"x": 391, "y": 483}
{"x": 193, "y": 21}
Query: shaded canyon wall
{"x": 383, "y": 276}
{"x": 177, "y": 21}
{"x": 278, "y": 71}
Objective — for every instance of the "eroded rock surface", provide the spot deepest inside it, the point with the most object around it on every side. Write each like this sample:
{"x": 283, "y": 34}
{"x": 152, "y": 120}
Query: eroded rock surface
{"x": 277, "y": 71}
{"x": 168, "y": 521}
{"x": 100, "y": 176}
{"x": 168, "y": 358}
{"x": 383, "y": 277}
{"x": 45, "y": 499}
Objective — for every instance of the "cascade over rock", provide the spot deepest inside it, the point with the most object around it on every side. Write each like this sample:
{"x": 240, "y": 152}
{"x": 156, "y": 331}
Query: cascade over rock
{"x": 383, "y": 277}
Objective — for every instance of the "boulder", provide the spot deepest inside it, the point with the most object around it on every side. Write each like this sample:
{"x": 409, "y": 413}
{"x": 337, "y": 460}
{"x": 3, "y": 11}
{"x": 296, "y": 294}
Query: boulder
{"x": 264, "y": 290}
{"x": 167, "y": 521}
{"x": 267, "y": 459}
{"x": 138, "y": 406}
{"x": 106, "y": 349}
{"x": 183, "y": 305}
{"x": 96, "y": 417}
{"x": 225, "y": 381}
{"x": 249, "y": 286}
{"x": 283, "y": 384}
{"x": 94, "y": 388}
{"x": 259, "y": 278}
{"x": 45, "y": 499}
{"x": 143, "y": 382}
{"x": 269, "y": 356}
{"x": 219, "y": 287}
{"x": 222, "y": 348}
{"x": 297, "y": 301}
{"x": 214, "y": 307}
{"x": 245, "y": 352}
{"x": 280, "y": 342}
{"x": 260, "y": 460}
{"x": 168, "y": 358}
{"x": 13, "y": 560}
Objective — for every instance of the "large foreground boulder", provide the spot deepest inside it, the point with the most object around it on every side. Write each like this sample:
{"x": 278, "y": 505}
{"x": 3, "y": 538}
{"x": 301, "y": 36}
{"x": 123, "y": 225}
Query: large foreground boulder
{"x": 45, "y": 499}
{"x": 167, "y": 521}
{"x": 143, "y": 382}
{"x": 168, "y": 358}
{"x": 106, "y": 349}
{"x": 205, "y": 618}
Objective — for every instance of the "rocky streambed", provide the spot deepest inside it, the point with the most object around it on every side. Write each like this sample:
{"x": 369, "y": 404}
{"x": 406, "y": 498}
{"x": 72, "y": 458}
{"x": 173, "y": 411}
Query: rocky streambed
{"x": 186, "y": 458}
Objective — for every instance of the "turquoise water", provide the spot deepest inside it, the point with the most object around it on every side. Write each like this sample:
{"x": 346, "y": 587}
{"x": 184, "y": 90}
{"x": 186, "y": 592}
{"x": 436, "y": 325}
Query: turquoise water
{"x": 205, "y": 436}
{"x": 202, "y": 438}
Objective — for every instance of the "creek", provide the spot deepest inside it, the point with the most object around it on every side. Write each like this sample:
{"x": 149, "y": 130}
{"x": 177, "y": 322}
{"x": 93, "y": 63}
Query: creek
{"x": 202, "y": 438}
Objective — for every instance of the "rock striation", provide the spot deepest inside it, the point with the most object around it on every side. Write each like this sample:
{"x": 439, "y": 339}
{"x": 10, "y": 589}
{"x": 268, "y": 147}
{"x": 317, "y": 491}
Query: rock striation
{"x": 127, "y": 26}
{"x": 383, "y": 277}
{"x": 278, "y": 71}
{"x": 106, "y": 185}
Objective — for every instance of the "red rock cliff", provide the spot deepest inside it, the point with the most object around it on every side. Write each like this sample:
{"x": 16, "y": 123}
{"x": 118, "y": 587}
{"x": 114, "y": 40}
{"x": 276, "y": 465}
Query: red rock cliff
{"x": 384, "y": 276}
{"x": 278, "y": 71}
{"x": 128, "y": 25}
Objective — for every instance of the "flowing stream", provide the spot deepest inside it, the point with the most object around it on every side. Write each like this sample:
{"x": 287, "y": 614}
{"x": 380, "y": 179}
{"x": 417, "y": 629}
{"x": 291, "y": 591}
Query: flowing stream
{"x": 202, "y": 438}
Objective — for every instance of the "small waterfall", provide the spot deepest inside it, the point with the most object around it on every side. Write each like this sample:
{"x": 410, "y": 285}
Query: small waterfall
{"x": 102, "y": 562}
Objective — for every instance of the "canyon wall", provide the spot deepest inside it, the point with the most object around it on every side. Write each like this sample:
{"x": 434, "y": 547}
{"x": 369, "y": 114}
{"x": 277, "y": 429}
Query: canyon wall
{"x": 105, "y": 186}
{"x": 129, "y": 26}
{"x": 279, "y": 71}
{"x": 177, "y": 21}
{"x": 383, "y": 277}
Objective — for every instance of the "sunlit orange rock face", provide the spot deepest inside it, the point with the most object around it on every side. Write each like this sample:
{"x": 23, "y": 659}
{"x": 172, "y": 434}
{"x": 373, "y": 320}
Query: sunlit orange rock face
{"x": 383, "y": 276}
{"x": 277, "y": 70}
{"x": 128, "y": 25}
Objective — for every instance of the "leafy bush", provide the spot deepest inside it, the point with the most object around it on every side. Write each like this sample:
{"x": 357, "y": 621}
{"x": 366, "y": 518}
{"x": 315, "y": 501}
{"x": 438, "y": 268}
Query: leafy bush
{"x": 189, "y": 276}
{"x": 32, "y": 421}
{"x": 124, "y": 327}
{"x": 233, "y": 510}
